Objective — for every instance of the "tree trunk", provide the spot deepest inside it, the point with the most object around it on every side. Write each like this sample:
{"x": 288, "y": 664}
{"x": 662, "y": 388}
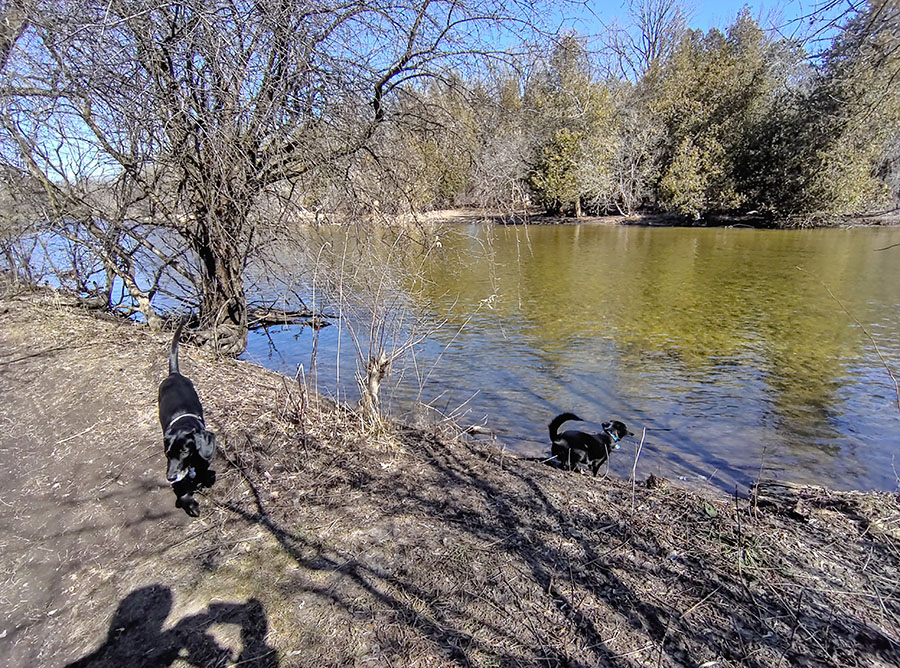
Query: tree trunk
{"x": 223, "y": 303}
{"x": 223, "y": 310}
{"x": 554, "y": 207}
{"x": 13, "y": 21}
{"x": 13, "y": 266}
{"x": 376, "y": 369}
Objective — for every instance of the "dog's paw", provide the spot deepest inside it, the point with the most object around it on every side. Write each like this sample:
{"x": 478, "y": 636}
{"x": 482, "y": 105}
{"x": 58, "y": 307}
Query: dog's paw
{"x": 188, "y": 504}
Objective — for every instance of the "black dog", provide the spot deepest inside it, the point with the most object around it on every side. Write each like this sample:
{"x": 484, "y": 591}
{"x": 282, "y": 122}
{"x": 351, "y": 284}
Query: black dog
{"x": 189, "y": 446}
{"x": 572, "y": 448}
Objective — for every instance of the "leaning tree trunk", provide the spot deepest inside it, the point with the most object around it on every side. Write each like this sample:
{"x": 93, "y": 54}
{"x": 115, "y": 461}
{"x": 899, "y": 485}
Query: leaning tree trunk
{"x": 223, "y": 303}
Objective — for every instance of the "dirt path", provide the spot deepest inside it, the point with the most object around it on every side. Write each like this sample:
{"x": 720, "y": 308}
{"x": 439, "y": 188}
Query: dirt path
{"x": 86, "y": 515}
{"x": 327, "y": 544}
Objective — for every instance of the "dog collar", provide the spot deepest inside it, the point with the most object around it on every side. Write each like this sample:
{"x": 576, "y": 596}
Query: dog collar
{"x": 189, "y": 473}
{"x": 186, "y": 415}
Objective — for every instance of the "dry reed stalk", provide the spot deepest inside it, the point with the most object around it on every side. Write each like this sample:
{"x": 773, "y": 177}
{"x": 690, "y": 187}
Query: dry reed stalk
{"x": 637, "y": 455}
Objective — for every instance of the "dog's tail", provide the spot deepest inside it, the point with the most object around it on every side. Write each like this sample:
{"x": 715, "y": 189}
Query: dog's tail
{"x": 558, "y": 421}
{"x": 173, "y": 351}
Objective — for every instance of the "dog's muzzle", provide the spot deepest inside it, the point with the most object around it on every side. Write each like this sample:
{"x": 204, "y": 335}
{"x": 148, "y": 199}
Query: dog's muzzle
{"x": 182, "y": 474}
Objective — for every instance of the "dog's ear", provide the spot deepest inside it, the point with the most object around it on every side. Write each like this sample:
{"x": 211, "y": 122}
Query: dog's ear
{"x": 206, "y": 445}
{"x": 606, "y": 426}
{"x": 169, "y": 441}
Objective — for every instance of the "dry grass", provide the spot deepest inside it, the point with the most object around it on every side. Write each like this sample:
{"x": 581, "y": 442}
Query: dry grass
{"x": 324, "y": 544}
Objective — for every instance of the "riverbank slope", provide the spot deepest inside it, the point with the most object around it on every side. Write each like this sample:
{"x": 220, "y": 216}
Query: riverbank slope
{"x": 328, "y": 544}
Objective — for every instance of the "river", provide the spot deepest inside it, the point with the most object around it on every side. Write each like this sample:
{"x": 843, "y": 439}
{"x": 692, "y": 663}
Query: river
{"x": 730, "y": 346}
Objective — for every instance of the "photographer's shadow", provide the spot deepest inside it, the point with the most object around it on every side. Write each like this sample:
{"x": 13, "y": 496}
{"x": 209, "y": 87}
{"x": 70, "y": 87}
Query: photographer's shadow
{"x": 137, "y": 637}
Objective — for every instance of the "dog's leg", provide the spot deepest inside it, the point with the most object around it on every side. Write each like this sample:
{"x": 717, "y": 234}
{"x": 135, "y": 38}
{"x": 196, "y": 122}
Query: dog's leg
{"x": 188, "y": 504}
{"x": 205, "y": 476}
{"x": 184, "y": 497}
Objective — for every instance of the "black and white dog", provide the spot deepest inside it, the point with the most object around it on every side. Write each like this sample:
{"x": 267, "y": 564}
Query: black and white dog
{"x": 572, "y": 448}
{"x": 188, "y": 445}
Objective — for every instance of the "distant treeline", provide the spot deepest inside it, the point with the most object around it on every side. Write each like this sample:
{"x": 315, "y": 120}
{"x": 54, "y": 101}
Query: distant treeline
{"x": 158, "y": 148}
{"x": 696, "y": 123}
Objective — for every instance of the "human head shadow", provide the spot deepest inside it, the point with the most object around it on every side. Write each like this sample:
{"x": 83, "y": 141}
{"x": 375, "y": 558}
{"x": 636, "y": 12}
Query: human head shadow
{"x": 137, "y": 636}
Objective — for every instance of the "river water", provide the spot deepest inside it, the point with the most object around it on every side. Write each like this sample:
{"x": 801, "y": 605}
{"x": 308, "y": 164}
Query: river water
{"x": 731, "y": 346}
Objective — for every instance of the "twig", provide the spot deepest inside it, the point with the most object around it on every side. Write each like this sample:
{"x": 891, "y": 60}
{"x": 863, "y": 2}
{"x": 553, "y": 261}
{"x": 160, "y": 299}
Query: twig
{"x": 188, "y": 538}
{"x": 762, "y": 466}
{"x": 794, "y": 629}
{"x": 80, "y": 433}
{"x": 256, "y": 659}
{"x": 700, "y": 602}
{"x": 637, "y": 455}
{"x": 636, "y": 651}
{"x": 662, "y": 642}
{"x": 680, "y": 617}
{"x": 740, "y": 556}
{"x": 52, "y": 350}
{"x": 888, "y": 615}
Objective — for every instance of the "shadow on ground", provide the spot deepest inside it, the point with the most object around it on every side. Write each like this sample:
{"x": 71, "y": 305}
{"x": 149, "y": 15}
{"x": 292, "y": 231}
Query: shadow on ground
{"x": 448, "y": 556}
{"x": 137, "y": 636}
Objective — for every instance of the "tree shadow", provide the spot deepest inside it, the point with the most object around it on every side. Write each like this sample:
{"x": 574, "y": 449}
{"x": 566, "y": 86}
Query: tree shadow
{"x": 457, "y": 631}
{"x": 570, "y": 576}
{"x": 137, "y": 636}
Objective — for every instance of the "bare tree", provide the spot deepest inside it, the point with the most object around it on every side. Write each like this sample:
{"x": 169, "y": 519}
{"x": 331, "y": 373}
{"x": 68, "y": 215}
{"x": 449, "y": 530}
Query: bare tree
{"x": 13, "y": 20}
{"x": 656, "y": 26}
{"x": 156, "y": 128}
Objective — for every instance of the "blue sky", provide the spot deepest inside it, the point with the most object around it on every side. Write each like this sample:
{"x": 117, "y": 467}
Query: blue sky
{"x": 705, "y": 14}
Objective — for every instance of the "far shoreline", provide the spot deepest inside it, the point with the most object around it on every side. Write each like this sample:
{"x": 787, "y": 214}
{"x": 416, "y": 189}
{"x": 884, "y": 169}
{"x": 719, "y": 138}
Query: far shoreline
{"x": 470, "y": 215}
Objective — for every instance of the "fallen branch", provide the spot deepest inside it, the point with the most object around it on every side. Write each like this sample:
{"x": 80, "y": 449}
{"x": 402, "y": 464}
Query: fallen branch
{"x": 259, "y": 318}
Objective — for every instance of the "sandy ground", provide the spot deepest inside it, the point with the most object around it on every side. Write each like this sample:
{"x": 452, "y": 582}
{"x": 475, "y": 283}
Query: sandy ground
{"x": 329, "y": 543}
